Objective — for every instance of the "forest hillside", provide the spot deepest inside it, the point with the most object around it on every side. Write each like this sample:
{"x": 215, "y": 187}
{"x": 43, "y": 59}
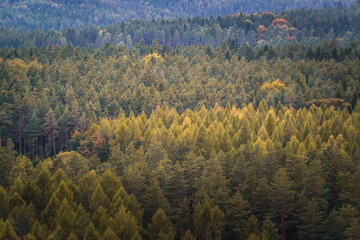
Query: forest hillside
{"x": 179, "y": 120}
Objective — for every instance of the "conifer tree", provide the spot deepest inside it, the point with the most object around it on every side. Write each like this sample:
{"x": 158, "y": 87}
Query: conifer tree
{"x": 154, "y": 199}
{"x": 283, "y": 196}
{"x": 98, "y": 199}
{"x": 125, "y": 225}
{"x": 91, "y": 233}
{"x": 160, "y": 227}
{"x": 110, "y": 235}
{"x": 8, "y": 232}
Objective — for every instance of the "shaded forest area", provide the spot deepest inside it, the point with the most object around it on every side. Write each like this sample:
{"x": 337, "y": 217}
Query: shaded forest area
{"x": 310, "y": 27}
{"x": 218, "y": 173}
{"x": 60, "y": 14}
{"x": 48, "y": 93}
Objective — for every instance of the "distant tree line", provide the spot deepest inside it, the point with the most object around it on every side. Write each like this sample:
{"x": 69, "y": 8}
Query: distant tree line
{"x": 61, "y": 14}
{"x": 308, "y": 27}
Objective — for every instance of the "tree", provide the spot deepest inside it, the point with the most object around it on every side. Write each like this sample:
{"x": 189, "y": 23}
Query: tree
{"x": 208, "y": 222}
{"x": 203, "y": 221}
{"x": 270, "y": 124}
{"x": 270, "y": 228}
{"x": 283, "y": 196}
{"x": 65, "y": 217}
{"x": 51, "y": 128}
{"x": 110, "y": 235}
{"x": 38, "y": 231}
{"x": 4, "y": 203}
{"x": 7, "y": 160}
{"x": 182, "y": 217}
{"x": 98, "y": 199}
{"x": 110, "y": 184}
{"x": 154, "y": 199}
{"x": 236, "y": 215}
{"x": 312, "y": 217}
{"x": 252, "y": 226}
{"x": 125, "y": 225}
{"x": 188, "y": 235}
{"x": 8, "y": 232}
{"x": 160, "y": 227}
{"x": 91, "y": 233}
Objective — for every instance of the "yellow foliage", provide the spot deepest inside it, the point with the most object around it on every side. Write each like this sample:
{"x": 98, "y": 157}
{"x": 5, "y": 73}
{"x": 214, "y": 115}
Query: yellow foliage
{"x": 155, "y": 55}
{"x": 274, "y": 85}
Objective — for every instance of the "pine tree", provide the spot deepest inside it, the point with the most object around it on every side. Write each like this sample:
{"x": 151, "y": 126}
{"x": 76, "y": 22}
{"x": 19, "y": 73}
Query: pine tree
{"x": 63, "y": 191}
{"x": 252, "y": 226}
{"x": 8, "y": 232}
{"x": 87, "y": 185}
{"x": 153, "y": 200}
{"x": 182, "y": 217}
{"x": 65, "y": 217}
{"x": 48, "y": 215}
{"x": 38, "y": 231}
{"x": 270, "y": 124}
{"x": 202, "y": 221}
{"x": 188, "y": 235}
{"x": 91, "y": 233}
{"x": 312, "y": 218}
{"x": 271, "y": 229}
{"x": 4, "y": 203}
{"x": 283, "y": 196}
{"x": 51, "y": 128}
{"x": 236, "y": 215}
{"x": 208, "y": 222}
{"x": 125, "y": 225}
{"x": 98, "y": 199}
{"x": 160, "y": 227}
{"x": 72, "y": 236}
{"x": 110, "y": 184}
{"x": 176, "y": 186}
{"x": 110, "y": 235}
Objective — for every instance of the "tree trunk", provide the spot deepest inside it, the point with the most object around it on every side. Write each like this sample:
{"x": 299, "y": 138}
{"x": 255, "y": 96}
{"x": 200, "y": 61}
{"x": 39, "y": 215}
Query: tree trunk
{"x": 24, "y": 134}
{"x": 33, "y": 145}
{"x": 53, "y": 135}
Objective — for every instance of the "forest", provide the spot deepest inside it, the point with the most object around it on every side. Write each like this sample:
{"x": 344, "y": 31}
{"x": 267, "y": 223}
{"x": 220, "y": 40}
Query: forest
{"x": 179, "y": 120}
{"x": 217, "y": 173}
{"x": 60, "y": 14}
{"x": 188, "y": 143}
{"x": 304, "y": 26}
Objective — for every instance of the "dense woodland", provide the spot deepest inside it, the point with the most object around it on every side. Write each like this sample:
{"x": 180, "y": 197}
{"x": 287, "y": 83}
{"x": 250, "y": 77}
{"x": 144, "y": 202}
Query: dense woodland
{"x": 241, "y": 126}
{"x": 47, "y": 93}
{"x": 310, "y": 27}
{"x": 159, "y": 143}
{"x": 218, "y": 173}
{"x": 59, "y": 14}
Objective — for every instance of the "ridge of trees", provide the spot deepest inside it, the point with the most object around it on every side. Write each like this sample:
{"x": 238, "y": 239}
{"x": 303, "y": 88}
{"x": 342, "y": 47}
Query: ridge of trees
{"x": 60, "y": 14}
{"x": 304, "y": 26}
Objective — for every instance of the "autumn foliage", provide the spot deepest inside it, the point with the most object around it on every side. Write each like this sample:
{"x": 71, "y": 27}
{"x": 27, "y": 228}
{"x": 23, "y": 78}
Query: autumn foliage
{"x": 281, "y": 22}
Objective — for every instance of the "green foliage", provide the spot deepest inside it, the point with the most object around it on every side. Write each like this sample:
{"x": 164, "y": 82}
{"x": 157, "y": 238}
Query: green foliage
{"x": 208, "y": 221}
{"x": 7, "y": 232}
{"x": 160, "y": 227}
{"x": 91, "y": 233}
{"x": 294, "y": 181}
{"x": 257, "y": 29}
